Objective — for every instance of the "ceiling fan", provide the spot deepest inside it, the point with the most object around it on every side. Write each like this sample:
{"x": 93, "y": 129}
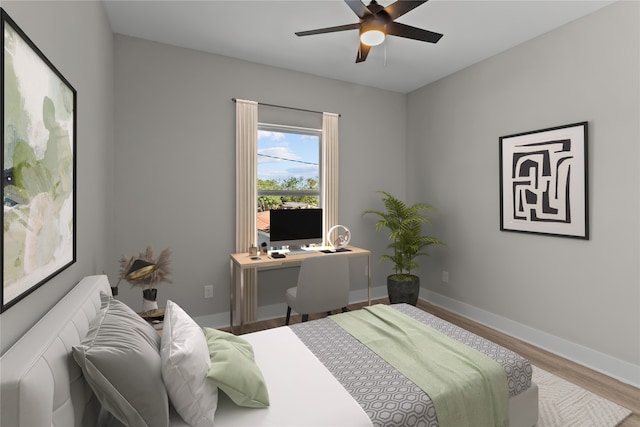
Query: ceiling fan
{"x": 376, "y": 22}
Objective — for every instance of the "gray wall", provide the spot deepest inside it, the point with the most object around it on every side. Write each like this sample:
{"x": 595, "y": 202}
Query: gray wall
{"x": 77, "y": 39}
{"x": 587, "y": 293}
{"x": 164, "y": 173}
{"x": 175, "y": 162}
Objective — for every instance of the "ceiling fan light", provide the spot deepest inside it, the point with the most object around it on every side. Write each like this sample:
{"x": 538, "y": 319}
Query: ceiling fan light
{"x": 372, "y": 37}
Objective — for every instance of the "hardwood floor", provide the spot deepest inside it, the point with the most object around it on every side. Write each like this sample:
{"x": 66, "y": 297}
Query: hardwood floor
{"x": 609, "y": 388}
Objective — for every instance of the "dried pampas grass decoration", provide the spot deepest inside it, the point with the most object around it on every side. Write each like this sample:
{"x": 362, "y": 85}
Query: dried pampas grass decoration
{"x": 161, "y": 273}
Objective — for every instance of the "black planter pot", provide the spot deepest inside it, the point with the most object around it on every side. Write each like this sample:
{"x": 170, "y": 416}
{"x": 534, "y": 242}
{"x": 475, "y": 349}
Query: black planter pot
{"x": 406, "y": 291}
{"x": 150, "y": 294}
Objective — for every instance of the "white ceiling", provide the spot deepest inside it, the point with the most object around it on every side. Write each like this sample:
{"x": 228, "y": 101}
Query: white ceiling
{"x": 262, "y": 31}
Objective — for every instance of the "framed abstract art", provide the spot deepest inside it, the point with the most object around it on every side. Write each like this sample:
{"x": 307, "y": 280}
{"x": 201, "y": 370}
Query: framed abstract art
{"x": 39, "y": 167}
{"x": 543, "y": 182}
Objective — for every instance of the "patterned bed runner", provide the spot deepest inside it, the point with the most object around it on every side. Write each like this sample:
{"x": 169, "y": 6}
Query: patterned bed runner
{"x": 388, "y": 397}
{"x": 467, "y": 388}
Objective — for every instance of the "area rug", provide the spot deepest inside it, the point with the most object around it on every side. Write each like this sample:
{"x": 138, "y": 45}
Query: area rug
{"x": 564, "y": 404}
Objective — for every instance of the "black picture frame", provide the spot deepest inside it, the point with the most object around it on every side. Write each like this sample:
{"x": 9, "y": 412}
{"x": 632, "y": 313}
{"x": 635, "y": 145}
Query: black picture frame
{"x": 39, "y": 123}
{"x": 544, "y": 181}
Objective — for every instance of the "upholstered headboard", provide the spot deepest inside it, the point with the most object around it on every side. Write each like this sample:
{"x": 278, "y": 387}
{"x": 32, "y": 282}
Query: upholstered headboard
{"x": 41, "y": 384}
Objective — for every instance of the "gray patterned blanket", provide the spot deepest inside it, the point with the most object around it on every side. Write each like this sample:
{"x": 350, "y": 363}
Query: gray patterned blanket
{"x": 387, "y": 396}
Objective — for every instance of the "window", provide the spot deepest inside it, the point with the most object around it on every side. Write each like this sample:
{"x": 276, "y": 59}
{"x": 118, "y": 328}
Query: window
{"x": 288, "y": 172}
{"x": 246, "y": 183}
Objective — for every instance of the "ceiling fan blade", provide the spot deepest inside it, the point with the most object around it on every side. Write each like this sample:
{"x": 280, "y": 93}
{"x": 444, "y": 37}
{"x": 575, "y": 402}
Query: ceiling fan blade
{"x": 363, "y": 51}
{"x": 409, "y": 32}
{"x": 358, "y": 8}
{"x": 328, "y": 30}
{"x": 400, "y": 7}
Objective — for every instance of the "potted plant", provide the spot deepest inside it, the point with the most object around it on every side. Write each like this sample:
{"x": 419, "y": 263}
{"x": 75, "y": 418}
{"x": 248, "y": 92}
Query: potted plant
{"x": 407, "y": 242}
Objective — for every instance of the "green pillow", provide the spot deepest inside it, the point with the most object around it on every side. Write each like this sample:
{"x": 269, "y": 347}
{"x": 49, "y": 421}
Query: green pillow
{"x": 234, "y": 370}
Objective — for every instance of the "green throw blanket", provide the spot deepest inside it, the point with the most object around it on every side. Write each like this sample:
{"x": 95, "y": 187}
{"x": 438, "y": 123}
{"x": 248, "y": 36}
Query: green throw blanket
{"x": 467, "y": 387}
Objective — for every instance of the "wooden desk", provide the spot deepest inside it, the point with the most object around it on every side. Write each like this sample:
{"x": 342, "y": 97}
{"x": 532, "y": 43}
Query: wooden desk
{"x": 243, "y": 262}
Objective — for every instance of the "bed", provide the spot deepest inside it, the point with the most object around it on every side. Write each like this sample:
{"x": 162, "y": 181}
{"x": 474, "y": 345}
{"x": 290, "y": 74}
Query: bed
{"x": 315, "y": 374}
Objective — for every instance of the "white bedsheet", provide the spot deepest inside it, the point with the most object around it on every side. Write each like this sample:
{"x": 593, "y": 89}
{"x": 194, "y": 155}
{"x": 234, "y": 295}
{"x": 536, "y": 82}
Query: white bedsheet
{"x": 41, "y": 387}
{"x": 302, "y": 392}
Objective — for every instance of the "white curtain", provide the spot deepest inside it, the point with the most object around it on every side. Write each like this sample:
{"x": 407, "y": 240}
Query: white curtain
{"x": 329, "y": 171}
{"x": 246, "y": 198}
{"x": 246, "y": 189}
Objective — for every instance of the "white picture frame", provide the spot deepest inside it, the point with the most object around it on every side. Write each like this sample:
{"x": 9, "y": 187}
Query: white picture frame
{"x": 543, "y": 182}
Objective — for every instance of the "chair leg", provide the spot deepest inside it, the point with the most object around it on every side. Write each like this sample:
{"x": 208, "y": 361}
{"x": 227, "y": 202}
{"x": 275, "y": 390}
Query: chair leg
{"x": 286, "y": 322}
{"x": 305, "y": 317}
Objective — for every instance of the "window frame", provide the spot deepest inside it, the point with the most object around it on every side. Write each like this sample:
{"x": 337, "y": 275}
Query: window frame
{"x": 271, "y": 127}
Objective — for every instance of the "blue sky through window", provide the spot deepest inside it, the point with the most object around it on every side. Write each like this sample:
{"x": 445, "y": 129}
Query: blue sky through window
{"x": 282, "y": 155}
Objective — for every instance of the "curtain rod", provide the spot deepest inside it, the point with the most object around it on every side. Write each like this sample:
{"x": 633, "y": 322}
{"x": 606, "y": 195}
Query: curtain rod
{"x": 288, "y": 108}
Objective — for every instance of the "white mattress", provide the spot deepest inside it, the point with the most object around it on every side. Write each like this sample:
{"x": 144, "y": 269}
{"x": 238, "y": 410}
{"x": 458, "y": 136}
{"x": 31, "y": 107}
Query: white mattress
{"x": 41, "y": 386}
{"x": 302, "y": 392}
{"x": 299, "y": 385}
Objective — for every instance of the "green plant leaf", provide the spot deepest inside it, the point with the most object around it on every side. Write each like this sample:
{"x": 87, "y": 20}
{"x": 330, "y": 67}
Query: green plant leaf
{"x": 404, "y": 225}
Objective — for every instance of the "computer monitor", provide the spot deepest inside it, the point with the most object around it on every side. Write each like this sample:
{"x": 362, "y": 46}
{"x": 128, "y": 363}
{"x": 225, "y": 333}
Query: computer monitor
{"x": 295, "y": 227}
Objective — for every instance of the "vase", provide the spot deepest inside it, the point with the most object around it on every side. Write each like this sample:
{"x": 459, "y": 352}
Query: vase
{"x": 149, "y": 299}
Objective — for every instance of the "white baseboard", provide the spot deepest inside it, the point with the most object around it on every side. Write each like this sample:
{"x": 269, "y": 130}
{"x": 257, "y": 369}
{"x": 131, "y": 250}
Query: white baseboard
{"x": 273, "y": 311}
{"x": 215, "y": 321}
{"x": 613, "y": 367}
{"x": 280, "y": 310}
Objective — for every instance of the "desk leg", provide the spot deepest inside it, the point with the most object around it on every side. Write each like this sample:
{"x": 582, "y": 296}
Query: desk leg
{"x": 369, "y": 279}
{"x": 232, "y": 281}
{"x": 241, "y": 300}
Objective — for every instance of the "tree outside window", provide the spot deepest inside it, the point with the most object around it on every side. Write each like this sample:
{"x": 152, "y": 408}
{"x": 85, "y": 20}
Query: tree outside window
{"x": 288, "y": 172}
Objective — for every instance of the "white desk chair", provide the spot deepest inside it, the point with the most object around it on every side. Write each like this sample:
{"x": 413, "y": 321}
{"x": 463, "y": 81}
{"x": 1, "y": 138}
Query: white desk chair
{"x": 323, "y": 285}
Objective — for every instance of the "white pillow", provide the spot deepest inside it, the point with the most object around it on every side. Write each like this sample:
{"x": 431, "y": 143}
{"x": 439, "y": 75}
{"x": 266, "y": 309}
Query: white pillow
{"x": 185, "y": 363}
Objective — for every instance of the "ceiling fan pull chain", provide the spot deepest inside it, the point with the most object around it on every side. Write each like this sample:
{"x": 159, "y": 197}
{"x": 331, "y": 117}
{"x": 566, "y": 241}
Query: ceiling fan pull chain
{"x": 385, "y": 54}
{"x": 385, "y": 48}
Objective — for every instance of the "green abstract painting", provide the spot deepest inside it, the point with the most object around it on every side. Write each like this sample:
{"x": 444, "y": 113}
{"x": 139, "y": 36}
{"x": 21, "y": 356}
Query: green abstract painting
{"x": 38, "y": 157}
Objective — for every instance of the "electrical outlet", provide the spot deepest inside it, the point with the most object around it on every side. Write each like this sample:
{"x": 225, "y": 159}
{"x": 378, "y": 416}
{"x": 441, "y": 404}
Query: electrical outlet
{"x": 445, "y": 276}
{"x": 208, "y": 291}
